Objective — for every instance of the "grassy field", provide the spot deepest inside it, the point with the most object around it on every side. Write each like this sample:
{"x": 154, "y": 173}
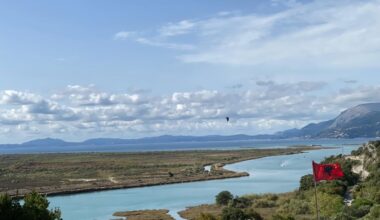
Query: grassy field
{"x": 161, "y": 214}
{"x": 81, "y": 172}
{"x": 266, "y": 205}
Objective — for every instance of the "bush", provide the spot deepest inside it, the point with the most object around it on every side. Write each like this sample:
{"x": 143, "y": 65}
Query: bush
{"x": 306, "y": 182}
{"x": 206, "y": 216}
{"x": 329, "y": 205}
{"x": 253, "y": 215}
{"x": 240, "y": 203}
{"x": 334, "y": 187}
{"x": 374, "y": 213}
{"x": 282, "y": 217}
{"x": 263, "y": 203}
{"x": 361, "y": 202}
{"x": 223, "y": 198}
{"x": 295, "y": 206}
{"x": 231, "y": 213}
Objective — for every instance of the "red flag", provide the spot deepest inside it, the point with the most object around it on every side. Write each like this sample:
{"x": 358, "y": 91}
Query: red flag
{"x": 327, "y": 171}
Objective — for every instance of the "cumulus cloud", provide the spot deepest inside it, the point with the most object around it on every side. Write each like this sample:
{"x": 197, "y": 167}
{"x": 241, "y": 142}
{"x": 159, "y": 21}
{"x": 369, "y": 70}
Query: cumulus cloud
{"x": 266, "y": 107}
{"x": 17, "y": 98}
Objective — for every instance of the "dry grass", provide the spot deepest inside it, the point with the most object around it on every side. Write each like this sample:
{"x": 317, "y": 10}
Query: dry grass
{"x": 193, "y": 213}
{"x": 78, "y": 172}
{"x": 161, "y": 214}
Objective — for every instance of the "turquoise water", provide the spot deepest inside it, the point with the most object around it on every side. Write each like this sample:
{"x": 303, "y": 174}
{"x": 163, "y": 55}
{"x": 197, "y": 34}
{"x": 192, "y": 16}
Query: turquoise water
{"x": 271, "y": 174}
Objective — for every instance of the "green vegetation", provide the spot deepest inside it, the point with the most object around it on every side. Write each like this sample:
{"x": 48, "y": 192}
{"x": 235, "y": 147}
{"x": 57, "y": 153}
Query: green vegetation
{"x": 35, "y": 207}
{"x": 300, "y": 204}
{"x": 223, "y": 198}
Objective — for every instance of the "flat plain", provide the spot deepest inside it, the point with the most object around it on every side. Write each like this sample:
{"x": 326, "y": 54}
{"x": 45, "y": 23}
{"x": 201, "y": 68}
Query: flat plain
{"x": 66, "y": 173}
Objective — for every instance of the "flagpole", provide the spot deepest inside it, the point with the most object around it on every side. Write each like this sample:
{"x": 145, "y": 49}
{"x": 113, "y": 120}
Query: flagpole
{"x": 315, "y": 193}
{"x": 316, "y": 200}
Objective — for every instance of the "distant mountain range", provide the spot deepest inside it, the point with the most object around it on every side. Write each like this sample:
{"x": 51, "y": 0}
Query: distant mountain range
{"x": 360, "y": 121}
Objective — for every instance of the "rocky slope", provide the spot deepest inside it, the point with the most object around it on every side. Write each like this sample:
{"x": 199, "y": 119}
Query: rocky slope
{"x": 359, "y": 121}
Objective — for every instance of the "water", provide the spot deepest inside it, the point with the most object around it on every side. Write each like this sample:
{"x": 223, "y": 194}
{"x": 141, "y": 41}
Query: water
{"x": 181, "y": 146}
{"x": 271, "y": 174}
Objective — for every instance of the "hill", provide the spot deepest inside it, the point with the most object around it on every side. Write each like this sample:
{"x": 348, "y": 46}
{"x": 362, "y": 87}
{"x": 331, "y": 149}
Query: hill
{"x": 359, "y": 121}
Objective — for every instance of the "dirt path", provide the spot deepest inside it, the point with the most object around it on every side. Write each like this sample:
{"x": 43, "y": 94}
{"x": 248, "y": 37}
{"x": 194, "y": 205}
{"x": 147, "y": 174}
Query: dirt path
{"x": 112, "y": 179}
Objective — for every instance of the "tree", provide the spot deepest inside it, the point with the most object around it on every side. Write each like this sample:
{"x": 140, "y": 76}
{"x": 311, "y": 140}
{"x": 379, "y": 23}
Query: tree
{"x": 223, "y": 198}
{"x": 35, "y": 207}
{"x": 9, "y": 208}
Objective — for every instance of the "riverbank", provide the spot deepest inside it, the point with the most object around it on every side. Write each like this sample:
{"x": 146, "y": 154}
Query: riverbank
{"x": 58, "y": 174}
{"x": 354, "y": 196}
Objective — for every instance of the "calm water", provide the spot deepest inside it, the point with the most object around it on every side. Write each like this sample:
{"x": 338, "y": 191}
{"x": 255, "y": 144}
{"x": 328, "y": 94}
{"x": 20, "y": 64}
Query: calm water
{"x": 270, "y": 174}
{"x": 181, "y": 146}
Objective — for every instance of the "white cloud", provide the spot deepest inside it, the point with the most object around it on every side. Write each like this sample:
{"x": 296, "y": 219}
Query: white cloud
{"x": 17, "y": 97}
{"x": 327, "y": 34}
{"x": 323, "y": 33}
{"x": 266, "y": 107}
{"x": 123, "y": 35}
{"x": 179, "y": 28}
{"x": 163, "y": 44}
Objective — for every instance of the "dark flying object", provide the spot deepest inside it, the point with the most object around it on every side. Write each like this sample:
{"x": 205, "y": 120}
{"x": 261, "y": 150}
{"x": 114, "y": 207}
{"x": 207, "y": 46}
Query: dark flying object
{"x": 227, "y": 119}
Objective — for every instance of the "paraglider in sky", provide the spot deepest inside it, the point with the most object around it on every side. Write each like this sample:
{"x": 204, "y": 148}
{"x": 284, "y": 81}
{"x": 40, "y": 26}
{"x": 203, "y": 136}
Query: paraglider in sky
{"x": 227, "y": 119}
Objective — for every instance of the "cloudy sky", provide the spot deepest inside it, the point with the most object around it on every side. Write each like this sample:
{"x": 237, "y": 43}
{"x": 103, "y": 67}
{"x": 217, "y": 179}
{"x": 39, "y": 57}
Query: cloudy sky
{"x": 83, "y": 69}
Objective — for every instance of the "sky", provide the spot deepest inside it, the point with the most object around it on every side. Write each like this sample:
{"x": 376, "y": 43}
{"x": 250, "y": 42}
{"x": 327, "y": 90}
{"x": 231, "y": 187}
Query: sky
{"x": 127, "y": 69}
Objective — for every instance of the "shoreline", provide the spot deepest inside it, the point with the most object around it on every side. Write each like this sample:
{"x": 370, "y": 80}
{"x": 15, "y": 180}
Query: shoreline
{"x": 224, "y": 173}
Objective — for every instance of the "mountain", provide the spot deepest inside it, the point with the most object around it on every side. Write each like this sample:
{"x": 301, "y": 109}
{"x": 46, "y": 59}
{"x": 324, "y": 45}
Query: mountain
{"x": 50, "y": 142}
{"x": 359, "y": 121}
{"x": 47, "y": 142}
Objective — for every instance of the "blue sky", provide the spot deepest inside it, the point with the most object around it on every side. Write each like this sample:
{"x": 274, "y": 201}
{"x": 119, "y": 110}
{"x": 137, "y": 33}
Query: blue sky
{"x": 83, "y": 69}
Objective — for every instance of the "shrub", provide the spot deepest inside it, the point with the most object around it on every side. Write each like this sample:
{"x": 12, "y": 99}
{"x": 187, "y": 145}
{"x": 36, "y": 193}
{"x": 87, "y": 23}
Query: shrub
{"x": 295, "y": 206}
{"x": 223, "y": 198}
{"x": 374, "y": 213}
{"x": 263, "y": 203}
{"x": 240, "y": 202}
{"x": 329, "y": 205}
{"x": 282, "y": 217}
{"x": 306, "y": 182}
{"x": 253, "y": 215}
{"x": 361, "y": 202}
{"x": 206, "y": 216}
{"x": 335, "y": 187}
{"x": 231, "y": 213}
